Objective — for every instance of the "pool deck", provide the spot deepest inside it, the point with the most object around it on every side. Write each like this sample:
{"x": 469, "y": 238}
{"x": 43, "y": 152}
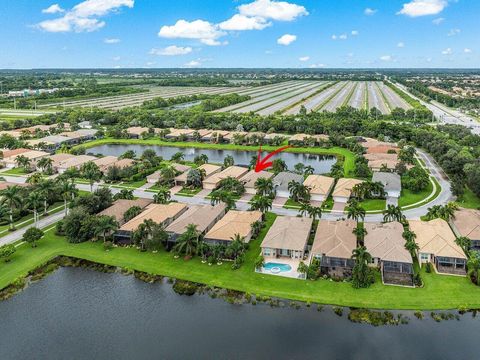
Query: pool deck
{"x": 284, "y": 261}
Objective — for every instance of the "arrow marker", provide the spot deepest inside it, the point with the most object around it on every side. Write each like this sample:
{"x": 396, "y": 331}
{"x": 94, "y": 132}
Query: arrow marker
{"x": 263, "y": 164}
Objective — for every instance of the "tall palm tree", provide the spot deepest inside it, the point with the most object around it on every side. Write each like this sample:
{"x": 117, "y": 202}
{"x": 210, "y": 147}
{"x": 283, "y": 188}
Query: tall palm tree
{"x": 355, "y": 211}
{"x": 143, "y": 233}
{"x": 188, "y": 242}
{"x": 361, "y": 274}
{"x": 226, "y": 197}
{"x": 195, "y": 177}
{"x": 24, "y": 162}
{"x": 465, "y": 243}
{"x": 304, "y": 208}
{"x": 228, "y": 161}
{"x": 473, "y": 266}
{"x": 12, "y": 198}
{"x": 105, "y": 225}
{"x": 360, "y": 232}
{"x": 34, "y": 200}
{"x": 308, "y": 170}
{"x": 264, "y": 186}
{"x": 68, "y": 191}
{"x": 45, "y": 187}
{"x": 45, "y": 164}
{"x": 299, "y": 192}
{"x": 261, "y": 203}
{"x": 167, "y": 174}
{"x": 162, "y": 196}
{"x": 35, "y": 178}
{"x": 178, "y": 157}
{"x": 91, "y": 172}
{"x": 393, "y": 213}
{"x": 410, "y": 243}
{"x": 314, "y": 212}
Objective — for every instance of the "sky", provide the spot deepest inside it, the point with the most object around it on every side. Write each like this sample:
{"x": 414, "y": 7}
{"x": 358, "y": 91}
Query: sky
{"x": 239, "y": 33}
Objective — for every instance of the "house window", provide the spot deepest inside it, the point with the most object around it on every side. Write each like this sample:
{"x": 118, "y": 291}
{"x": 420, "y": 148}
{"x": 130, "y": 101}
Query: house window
{"x": 266, "y": 251}
{"x": 424, "y": 257}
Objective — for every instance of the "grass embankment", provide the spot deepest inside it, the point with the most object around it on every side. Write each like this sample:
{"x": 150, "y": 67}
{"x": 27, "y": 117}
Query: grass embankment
{"x": 439, "y": 292}
{"x": 346, "y": 155}
{"x": 374, "y": 204}
{"x": 15, "y": 171}
{"x": 469, "y": 200}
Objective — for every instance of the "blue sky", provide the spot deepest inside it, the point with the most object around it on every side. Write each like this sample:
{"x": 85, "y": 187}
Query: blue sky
{"x": 239, "y": 33}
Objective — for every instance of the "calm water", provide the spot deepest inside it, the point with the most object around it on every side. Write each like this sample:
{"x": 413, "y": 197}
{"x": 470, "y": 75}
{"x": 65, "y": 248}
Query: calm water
{"x": 82, "y": 314}
{"x": 320, "y": 163}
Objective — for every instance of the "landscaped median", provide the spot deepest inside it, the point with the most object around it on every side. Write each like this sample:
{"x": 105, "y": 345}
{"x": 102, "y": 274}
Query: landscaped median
{"x": 345, "y": 155}
{"x": 439, "y": 291}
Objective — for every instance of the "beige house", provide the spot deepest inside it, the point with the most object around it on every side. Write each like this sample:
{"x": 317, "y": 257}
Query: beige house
{"x": 200, "y": 133}
{"x": 75, "y": 162}
{"x": 287, "y": 238}
{"x": 384, "y": 241}
{"x": 177, "y": 133}
{"x": 120, "y": 207}
{"x": 333, "y": 246}
{"x": 251, "y": 177}
{"x": 467, "y": 223}
{"x": 32, "y": 155}
{"x": 233, "y": 223}
{"x": 209, "y": 169}
{"x": 59, "y": 158}
{"x": 320, "y": 186}
{"x": 212, "y": 182}
{"x": 437, "y": 246}
{"x": 105, "y": 162}
{"x": 123, "y": 163}
{"x": 157, "y": 175}
{"x": 215, "y": 136}
{"x": 343, "y": 189}
{"x": 163, "y": 214}
{"x": 137, "y": 131}
{"x": 6, "y": 153}
{"x": 368, "y": 143}
{"x": 378, "y": 160}
{"x": 202, "y": 216}
{"x": 229, "y": 137}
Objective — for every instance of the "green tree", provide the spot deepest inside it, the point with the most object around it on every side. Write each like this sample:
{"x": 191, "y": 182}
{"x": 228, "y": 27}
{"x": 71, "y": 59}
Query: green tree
{"x": 264, "y": 187}
{"x": 45, "y": 164}
{"x": 162, "y": 196}
{"x": 105, "y": 225}
{"x": 355, "y": 211}
{"x": 188, "y": 242}
{"x": 6, "y": 252}
{"x": 362, "y": 276}
{"x": 32, "y": 235}
{"x": 228, "y": 161}
{"x": 410, "y": 243}
{"x": 393, "y": 213}
{"x": 91, "y": 172}
{"x": 46, "y": 188}
{"x": 23, "y": 162}
{"x": 465, "y": 243}
{"x": 261, "y": 203}
{"x": 11, "y": 197}
{"x": 34, "y": 200}
{"x": 473, "y": 266}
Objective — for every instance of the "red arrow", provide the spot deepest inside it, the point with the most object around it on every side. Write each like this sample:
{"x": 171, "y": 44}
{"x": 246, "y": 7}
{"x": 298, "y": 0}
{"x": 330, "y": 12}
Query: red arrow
{"x": 262, "y": 164}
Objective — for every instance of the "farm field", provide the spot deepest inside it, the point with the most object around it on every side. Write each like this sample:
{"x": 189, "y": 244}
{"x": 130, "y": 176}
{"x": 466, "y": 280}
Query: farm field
{"x": 393, "y": 99}
{"x": 375, "y": 98}
{"x": 340, "y": 98}
{"x": 359, "y": 96}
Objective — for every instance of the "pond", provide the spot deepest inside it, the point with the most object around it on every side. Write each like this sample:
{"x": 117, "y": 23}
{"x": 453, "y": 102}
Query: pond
{"x": 82, "y": 314}
{"x": 321, "y": 163}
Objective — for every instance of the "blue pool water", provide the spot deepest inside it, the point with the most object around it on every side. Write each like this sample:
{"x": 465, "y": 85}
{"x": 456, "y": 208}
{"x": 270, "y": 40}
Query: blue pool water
{"x": 275, "y": 267}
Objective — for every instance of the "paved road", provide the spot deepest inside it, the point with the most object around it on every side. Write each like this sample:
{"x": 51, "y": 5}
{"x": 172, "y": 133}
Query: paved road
{"x": 446, "y": 115}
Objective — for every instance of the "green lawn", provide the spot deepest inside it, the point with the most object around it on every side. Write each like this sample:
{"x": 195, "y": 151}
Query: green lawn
{"x": 15, "y": 171}
{"x": 469, "y": 200}
{"x": 439, "y": 292}
{"x": 409, "y": 197}
{"x": 373, "y": 204}
{"x": 344, "y": 154}
{"x": 188, "y": 192}
{"x": 132, "y": 184}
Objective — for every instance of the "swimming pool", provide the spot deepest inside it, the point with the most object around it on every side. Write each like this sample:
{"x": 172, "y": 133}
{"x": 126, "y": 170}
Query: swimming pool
{"x": 276, "y": 268}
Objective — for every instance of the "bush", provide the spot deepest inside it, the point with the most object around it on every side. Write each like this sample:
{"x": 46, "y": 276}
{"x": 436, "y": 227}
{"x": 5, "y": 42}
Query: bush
{"x": 32, "y": 235}
{"x": 108, "y": 245}
{"x": 6, "y": 251}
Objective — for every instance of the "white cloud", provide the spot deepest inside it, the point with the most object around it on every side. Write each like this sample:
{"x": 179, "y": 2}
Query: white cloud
{"x": 447, "y": 51}
{"x": 116, "y": 58}
{"x": 417, "y": 8}
{"x": 453, "y": 32}
{"x": 202, "y": 30}
{"x": 53, "y": 9}
{"x": 386, "y": 58}
{"x": 111, "y": 40}
{"x": 286, "y": 39}
{"x": 401, "y": 44}
{"x": 192, "y": 64}
{"x": 240, "y": 22}
{"x": 84, "y": 16}
{"x": 467, "y": 50}
{"x": 343, "y": 37}
{"x": 334, "y": 37}
{"x": 354, "y": 32}
{"x": 304, "y": 58}
{"x": 275, "y": 10}
{"x": 438, "y": 21}
{"x": 172, "y": 50}
{"x": 315, "y": 66}
{"x": 369, "y": 11}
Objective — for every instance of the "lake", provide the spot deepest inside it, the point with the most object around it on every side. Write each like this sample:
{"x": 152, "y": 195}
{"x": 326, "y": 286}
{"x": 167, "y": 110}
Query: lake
{"x": 82, "y": 314}
{"x": 321, "y": 163}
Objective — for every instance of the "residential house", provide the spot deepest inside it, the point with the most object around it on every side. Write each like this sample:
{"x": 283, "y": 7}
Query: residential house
{"x": 386, "y": 245}
{"x": 6, "y": 153}
{"x": 333, "y": 245}
{"x": 215, "y": 136}
{"x": 120, "y": 207}
{"x": 281, "y": 181}
{"x": 157, "y": 175}
{"x": 176, "y": 134}
{"x": 232, "y": 171}
{"x": 75, "y": 163}
{"x": 50, "y": 143}
{"x": 81, "y": 135}
{"x": 320, "y": 186}
{"x": 136, "y": 132}
{"x": 32, "y": 155}
{"x": 57, "y": 159}
{"x": 209, "y": 169}
{"x": 204, "y": 217}
{"x": 467, "y": 223}
{"x": 343, "y": 189}
{"x": 271, "y": 136}
{"x": 198, "y": 134}
{"x": 105, "y": 162}
{"x": 230, "y": 136}
{"x": 234, "y": 223}
{"x": 85, "y": 125}
{"x": 162, "y": 214}
{"x": 392, "y": 185}
{"x": 437, "y": 246}
{"x": 251, "y": 177}
{"x": 377, "y": 162}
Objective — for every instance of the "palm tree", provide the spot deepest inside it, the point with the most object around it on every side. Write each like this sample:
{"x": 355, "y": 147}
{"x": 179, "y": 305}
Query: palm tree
{"x": 261, "y": 203}
{"x": 105, "y": 224}
{"x": 167, "y": 174}
{"x": 410, "y": 243}
{"x": 34, "y": 179}
{"x": 45, "y": 164}
{"x": 178, "y": 157}
{"x": 264, "y": 186}
{"x": 304, "y": 208}
{"x": 299, "y": 192}
{"x": 143, "y": 233}
{"x": 201, "y": 159}
{"x": 253, "y": 162}
{"x": 228, "y": 161}
{"x": 34, "y": 200}
{"x": 46, "y": 187}
{"x": 24, "y": 162}
{"x": 355, "y": 211}
{"x": 188, "y": 242}
{"x": 91, "y": 172}
{"x": 473, "y": 266}
{"x": 360, "y": 232}
{"x": 162, "y": 196}
{"x": 308, "y": 170}
{"x": 393, "y": 213}
{"x": 465, "y": 243}
{"x": 68, "y": 191}
{"x": 361, "y": 273}
{"x": 11, "y": 197}
{"x": 314, "y": 212}
{"x": 226, "y": 197}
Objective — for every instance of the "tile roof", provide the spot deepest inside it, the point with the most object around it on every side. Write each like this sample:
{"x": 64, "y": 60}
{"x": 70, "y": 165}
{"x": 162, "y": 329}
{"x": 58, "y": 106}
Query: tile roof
{"x": 288, "y": 232}
{"x": 385, "y": 241}
{"x": 233, "y": 223}
{"x": 335, "y": 239}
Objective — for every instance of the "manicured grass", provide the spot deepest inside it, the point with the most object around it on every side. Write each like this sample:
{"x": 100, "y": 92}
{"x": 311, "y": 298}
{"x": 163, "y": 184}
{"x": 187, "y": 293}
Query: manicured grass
{"x": 469, "y": 200}
{"x": 290, "y": 204}
{"x": 409, "y": 197}
{"x": 344, "y": 154}
{"x": 439, "y": 292}
{"x": 28, "y": 219}
{"x": 188, "y": 192}
{"x": 373, "y": 204}
{"x": 132, "y": 184}
{"x": 15, "y": 171}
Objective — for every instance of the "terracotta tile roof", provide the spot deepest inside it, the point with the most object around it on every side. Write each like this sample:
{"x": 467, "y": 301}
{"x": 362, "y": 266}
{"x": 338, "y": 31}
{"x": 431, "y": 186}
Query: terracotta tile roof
{"x": 8, "y": 153}
{"x": 76, "y": 161}
{"x": 231, "y": 171}
{"x": 385, "y": 241}
{"x": 335, "y": 239}
{"x": 202, "y": 216}
{"x": 319, "y": 184}
{"x": 288, "y": 232}
{"x": 234, "y": 222}
{"x": 119, "y": 207}
{"x": 467, "y": 223}
{"x": 159, "y": 213}
{"x": 344, "y": 187}
{"x": 252, "y": 176}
